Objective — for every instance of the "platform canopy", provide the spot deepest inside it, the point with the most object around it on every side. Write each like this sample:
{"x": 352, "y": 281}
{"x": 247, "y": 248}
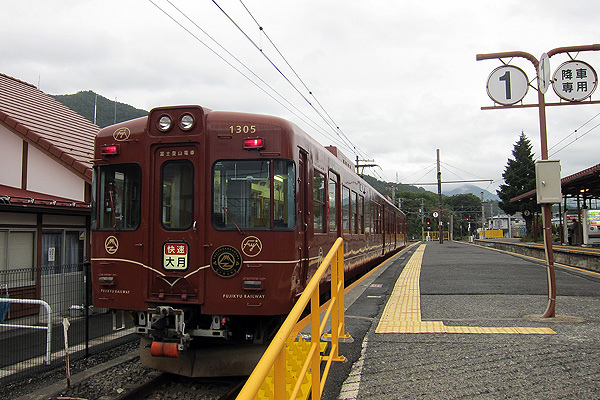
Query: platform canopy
{"x": 584, "y": 183}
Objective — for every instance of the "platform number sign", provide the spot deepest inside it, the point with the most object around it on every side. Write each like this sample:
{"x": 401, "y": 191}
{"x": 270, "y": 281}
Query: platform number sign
{"x": 507, "y": 85}
{"x": 544, "y": 73}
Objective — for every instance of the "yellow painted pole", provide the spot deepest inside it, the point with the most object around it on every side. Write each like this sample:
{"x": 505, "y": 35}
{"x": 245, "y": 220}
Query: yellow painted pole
{"x": 279, "y": 372}
{"x": 315, "y": 339}
{"x": 278, "y": 344}
{"x": 335, "y": 315}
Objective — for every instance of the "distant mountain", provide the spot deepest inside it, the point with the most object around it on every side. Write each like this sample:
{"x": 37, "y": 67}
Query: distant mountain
{"x": 451, "y": 190}
{"x": 385, "y": 187}
{"x": 106, "y": 112}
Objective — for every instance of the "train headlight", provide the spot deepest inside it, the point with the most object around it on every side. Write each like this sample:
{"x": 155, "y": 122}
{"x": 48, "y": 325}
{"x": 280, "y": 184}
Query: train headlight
{"x": 186, "y": 122}
{"x": 165, "y": 123}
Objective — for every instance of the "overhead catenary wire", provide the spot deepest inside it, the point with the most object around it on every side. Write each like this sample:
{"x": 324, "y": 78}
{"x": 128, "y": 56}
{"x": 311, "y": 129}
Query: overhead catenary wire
{"x": 303, "y": 118}
{"x": 574, "y": 132}
{"x": 329, "y": 121}
{"x": 310, "y": 92}
{"x": 314, "y": 125}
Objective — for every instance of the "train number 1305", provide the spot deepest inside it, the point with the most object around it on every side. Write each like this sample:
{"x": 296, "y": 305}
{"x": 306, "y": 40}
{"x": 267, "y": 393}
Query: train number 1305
{"x": 242, "y": 128}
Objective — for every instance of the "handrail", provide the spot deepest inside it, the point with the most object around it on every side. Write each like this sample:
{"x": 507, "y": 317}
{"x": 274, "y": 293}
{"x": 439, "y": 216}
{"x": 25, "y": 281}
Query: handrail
{"x": 47, "y": 328}
{"x": 274, "y": 356}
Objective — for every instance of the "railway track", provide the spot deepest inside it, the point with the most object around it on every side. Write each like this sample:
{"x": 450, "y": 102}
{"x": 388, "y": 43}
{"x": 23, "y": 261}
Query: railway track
{"x": 125, "y": 378}
{"x": 168, "y": 386}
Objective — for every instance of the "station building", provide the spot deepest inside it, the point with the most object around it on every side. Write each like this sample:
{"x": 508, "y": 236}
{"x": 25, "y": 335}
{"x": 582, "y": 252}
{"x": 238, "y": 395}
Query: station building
{"x": 45, "y": 193}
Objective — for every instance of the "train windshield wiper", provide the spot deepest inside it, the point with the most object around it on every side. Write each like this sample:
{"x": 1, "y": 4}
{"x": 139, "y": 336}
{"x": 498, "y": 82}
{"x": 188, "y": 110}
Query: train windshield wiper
{"x": 240, "y": 230}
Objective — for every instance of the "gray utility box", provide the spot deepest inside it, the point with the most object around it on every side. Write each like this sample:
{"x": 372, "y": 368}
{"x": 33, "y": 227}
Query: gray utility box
{"x": 547, "y": 181}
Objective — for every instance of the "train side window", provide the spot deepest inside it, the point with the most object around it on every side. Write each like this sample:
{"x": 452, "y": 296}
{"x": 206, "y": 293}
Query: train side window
{"x": 369, "y": 219}
{"x": 319, "y": 211}
{"x": 346, "y": 212}
{"x": 361, "y": 214}
{"x": 332, "y": 202}
{"x": 177, "y": 200}
{"x": 355, "y": 221}
{"x": 376, "y": 219}
{"x": 118, "y": 197}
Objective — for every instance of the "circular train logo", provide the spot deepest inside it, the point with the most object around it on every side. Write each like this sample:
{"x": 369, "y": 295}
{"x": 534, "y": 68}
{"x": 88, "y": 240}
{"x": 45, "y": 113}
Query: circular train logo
{"x": 122, "y": 134}
{"x": 252, "y": 246}
{"x": 226, "y": 261}
{"x": 111, "y": 245}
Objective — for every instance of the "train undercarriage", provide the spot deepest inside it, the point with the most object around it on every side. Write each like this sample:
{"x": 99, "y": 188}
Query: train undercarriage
{"x": 180, "y": 341}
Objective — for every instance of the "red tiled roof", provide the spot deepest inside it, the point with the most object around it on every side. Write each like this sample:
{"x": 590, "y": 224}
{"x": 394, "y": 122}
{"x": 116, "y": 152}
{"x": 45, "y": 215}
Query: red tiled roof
{"x": 13, "y": 196}
{"x": 48, "y": 124}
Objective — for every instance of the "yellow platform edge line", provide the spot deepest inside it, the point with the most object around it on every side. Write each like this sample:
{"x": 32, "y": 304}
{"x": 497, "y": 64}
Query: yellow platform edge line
{"x": 402, "y": 312}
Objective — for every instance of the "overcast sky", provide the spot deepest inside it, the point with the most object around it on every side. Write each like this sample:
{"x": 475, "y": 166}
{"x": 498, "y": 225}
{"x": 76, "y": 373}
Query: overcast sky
{"x": 399, "y": 78}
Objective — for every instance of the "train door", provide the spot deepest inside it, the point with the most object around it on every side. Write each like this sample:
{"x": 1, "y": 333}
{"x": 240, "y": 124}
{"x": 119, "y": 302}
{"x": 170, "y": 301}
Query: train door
{"x": 303, "y": 222}
{"x": 175, "y": 221}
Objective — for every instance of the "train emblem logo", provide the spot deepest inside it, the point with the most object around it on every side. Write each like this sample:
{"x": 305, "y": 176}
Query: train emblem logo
{"x": 122, "y": 134}
{"x": 226, "y": 261}
{"x": 111, "y": 245}
{"x": 252, "y": 246}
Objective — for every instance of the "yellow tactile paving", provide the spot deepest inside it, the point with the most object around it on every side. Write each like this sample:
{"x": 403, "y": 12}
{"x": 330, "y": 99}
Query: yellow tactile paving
{"x": 402, "y": 313}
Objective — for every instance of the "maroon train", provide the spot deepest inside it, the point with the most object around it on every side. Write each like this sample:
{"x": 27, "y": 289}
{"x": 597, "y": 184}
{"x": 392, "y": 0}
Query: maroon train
{"x": 207, "y": 226}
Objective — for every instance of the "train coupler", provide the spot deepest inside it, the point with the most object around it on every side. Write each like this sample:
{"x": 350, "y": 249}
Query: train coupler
{"x": 167, "y": 324}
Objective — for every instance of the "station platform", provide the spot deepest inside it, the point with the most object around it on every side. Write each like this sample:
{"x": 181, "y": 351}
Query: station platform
{"x": 458, "y": 320}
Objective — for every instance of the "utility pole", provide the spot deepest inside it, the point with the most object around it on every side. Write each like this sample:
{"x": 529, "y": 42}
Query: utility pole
{"x": 95, "y": 108}
{"x": 482, "y": 218}
{"x": 439, "y": 185}
{"x": 363, "y": 166}
{"x": 422, "y": 217}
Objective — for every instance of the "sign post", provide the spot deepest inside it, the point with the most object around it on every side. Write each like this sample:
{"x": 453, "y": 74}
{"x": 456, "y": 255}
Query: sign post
{"x": 542, "y": 69}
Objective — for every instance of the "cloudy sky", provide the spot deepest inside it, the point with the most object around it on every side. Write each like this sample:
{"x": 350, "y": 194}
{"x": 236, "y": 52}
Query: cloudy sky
{"x": 399, "y": 78}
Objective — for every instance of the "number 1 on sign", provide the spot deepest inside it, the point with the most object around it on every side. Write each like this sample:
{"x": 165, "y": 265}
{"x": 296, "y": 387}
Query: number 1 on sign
{"x": 506, "y": 79}
{"x": 507, "y": 85}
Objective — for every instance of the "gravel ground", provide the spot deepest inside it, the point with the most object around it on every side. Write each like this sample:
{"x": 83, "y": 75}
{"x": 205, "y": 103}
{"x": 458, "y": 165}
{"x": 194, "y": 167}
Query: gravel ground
{"x": 31, "y": 384}
{"x": 109, "y": 374}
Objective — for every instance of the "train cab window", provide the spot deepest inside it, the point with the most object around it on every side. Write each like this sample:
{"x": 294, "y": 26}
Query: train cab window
{"x": 118, "y": 197}
{"x": 249, "y": 194}
{"x": 319, "y": 211}
{"x": 177, "y": 200}
{"x": 346, "y": 210}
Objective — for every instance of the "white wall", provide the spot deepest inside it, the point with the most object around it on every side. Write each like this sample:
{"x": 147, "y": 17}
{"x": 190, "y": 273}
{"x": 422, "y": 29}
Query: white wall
{"x": 11, "y": 153}
{"x": 48, "y": 176}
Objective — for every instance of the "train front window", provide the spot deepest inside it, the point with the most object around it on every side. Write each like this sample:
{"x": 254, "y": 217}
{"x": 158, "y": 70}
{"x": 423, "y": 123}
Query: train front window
{"x": 178, "y": 195}
{"x": 119, "y": 197}
{"x": 254, "y": 194}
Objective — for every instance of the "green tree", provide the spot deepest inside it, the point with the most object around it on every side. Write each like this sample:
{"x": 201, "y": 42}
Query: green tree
{"x": 519, "y": 178}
